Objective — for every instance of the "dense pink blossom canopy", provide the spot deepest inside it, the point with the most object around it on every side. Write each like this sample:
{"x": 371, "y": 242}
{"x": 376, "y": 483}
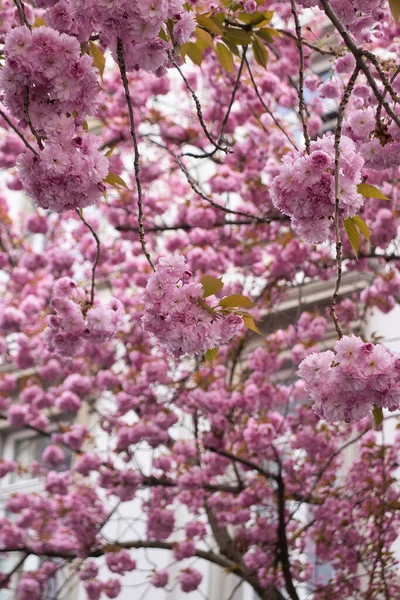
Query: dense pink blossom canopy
{"x": 198, "y": 230}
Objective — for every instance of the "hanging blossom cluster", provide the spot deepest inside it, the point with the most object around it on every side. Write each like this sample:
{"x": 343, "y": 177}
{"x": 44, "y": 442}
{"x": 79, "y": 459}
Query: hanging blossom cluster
{"x": 379, "y": 144}
{"x": 178, "y": 317}
{"x": 137, "y": 24}
{"x": 49, "y": 69}
{"x": 356, "y": 15}
{"x": 304, "y": 189}
{"x": 345, "y": 384}
{"x": 48, "y": 84}
{"x": 68, "y": 173}
{"x": 73, "y": 323}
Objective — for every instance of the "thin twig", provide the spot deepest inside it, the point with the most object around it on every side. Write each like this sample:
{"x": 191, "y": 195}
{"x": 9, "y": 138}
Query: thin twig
{"x": 386, "y": 82}
{"x": 234, "y": 92}
{"x": 226, "y": 116}
{"x": 187, "y": 227}
{"x": 199, "y": 192}
{"x": 136, "y": 164}
{"x": 300, "y": 91}
{"x": 16, "y": 130}
{"x": 339, "y": 253}
{"x": 267, "y": 110}
{"x": 79, "y": 212}
{"x": 379, "y": 109}
{"x": 28, "y": 119}
{"x": 14, "y": 570}
{"x": 308, "y": 44}
{"x": 22, "y": 14}
{"x": 198, "y": 105}
{"x": 359, "y": 56}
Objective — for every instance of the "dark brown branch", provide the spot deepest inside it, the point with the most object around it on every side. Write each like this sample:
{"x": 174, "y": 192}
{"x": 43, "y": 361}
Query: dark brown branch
{"x": 28, "y": 119}
{"x": 308, "y": 44}
{"x": 245, "y": 461}
{"x": 226, "y": 116}
{"x": 339, "y": 253}
{"x": 136, "y": 164}
{"x": 283, "y": 547}
{"x": 300, "y": 91}
{"x": 22, "y": 14}
{"x": 359, "y": 54}
{"x": 198, "y": 106}
{"x": 187, "y": 227}
{"x": 4, "y": 582}
{"x": 201, "y": 194}
{"x": 267, "y": 110}
{"x": 79, "y": 212}
{"x": 16, "y": 130}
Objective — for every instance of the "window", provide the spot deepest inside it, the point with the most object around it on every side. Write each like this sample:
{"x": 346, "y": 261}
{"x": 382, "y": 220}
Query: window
{"x": 25, "y": 448}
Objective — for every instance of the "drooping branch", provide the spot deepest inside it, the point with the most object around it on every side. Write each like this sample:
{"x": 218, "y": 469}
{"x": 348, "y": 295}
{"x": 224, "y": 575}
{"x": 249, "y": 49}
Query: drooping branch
{"x": 187, "y": 227}
{"x": 28, "y": 118}
{"x": 22, "y": 13}
{"x": 18, "y": 132}
{"x": 244, "y": 461}
{"x": 193, "y": 184}
{"x": 226, "y": 116}
{"x": 300, "y": 90}
{"x": 267, "y": 110}
{"x": 283, "y": 554}
{"x": 136, "y": 164}
{"x": 79, "y": 212}
{"x": 199, "y": 111}
{"x": 359, "y": 55}
{"x": 308, "y": 44}
{"x": 339, "y": 253}
{"x": 5, "y": 580}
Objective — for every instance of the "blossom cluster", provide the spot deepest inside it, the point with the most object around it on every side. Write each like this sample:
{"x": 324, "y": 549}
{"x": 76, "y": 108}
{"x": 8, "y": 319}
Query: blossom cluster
{"x": 74, "y": 322}
{"x": 304, "y": 189}
{"x": 47, "y": 67}
{"x": 136, "y": 24}
{"x": 345, "y": 384}
{"x": 178, "y": 317}
{"x": 68, "y": 173}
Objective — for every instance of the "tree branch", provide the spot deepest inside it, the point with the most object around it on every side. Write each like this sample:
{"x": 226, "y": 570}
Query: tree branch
{"x": 136, "y": 164}
{"x": 300, "y": 90}
{"x": 339, "y": 254}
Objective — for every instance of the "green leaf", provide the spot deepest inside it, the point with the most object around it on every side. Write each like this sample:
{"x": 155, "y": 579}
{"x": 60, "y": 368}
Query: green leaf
{"x": 110, "y": 151}
{"x": 204, "y": 36}
{"x": 255, "y": 19}
{"x": 39, "y": 22}
{"x": 211, "y": 354}
{"x": 260, "y": 53}
{"x": 162, "y": 34}
{"x": 208, "y": 24}
{"x": 370, "y": 191}
{"x": 395, "y": 9}
{"x": 115, "y": 180}
{"x": 232, "y": 47}
{"x": 236, "y": 301}
{"x": 362, "y": 226}
{"x": 238, "y": 36}
{"x": 377, "y": 416}
{"x": 249, "y": 322}
{"x": 353, "y": 234}
{"x": 211, "y": 285}
{"x": 219, "y": 19}
{"x": 98, "y": 58}
{"x": 267, "y": 34}
{"x": 194, "y": 53}
{"x": 225, "y": 57}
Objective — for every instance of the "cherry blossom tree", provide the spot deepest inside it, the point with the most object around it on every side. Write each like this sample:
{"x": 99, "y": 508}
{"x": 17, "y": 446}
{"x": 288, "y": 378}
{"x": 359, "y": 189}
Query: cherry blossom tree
{"x": 170, "y": 181}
